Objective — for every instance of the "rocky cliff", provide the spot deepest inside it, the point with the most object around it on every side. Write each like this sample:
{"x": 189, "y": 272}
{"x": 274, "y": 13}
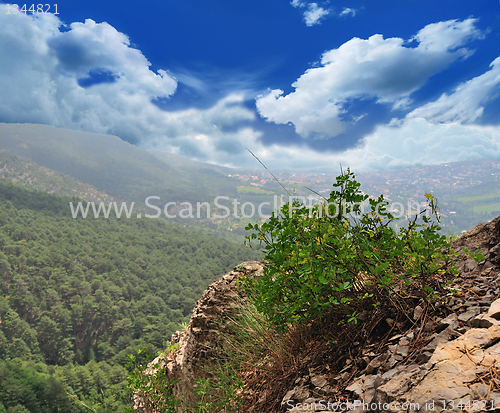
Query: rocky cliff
{"x": 199, "y": 343}
{"x": 449, "y": 360}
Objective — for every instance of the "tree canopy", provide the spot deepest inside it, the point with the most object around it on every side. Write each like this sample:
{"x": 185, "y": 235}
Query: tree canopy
{"x": 78, "y": 295}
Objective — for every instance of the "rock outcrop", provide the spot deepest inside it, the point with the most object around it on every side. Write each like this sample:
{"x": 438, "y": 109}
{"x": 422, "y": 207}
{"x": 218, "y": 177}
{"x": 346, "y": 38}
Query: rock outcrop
{"x": 449, "y": 362}
{"x": 198, "y": 343}
{"x": 485, "y": 237}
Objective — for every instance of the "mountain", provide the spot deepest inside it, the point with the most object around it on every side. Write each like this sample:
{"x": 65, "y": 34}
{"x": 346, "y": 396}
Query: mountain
{"x": 467, "y": 191}
{"x": 181, "y": 162}
{"x": 79, "y": 294}
{"x": 24, "y": 171}
{"x": 112, "y": 165}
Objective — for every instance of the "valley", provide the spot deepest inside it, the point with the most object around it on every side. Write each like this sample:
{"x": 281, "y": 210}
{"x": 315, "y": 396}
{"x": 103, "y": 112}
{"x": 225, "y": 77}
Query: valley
{"x": 80, "y": 294}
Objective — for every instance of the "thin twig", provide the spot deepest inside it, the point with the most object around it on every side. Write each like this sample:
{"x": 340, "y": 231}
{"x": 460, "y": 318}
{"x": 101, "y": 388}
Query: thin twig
{"x": 314, "y": 192}
{"x": 277, "y": 180}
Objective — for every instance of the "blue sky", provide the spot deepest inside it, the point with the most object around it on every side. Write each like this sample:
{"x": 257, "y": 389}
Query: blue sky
{"x": 304, "y": 85}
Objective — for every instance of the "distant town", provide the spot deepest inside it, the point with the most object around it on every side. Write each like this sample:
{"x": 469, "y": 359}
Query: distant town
{"x": 468, "y": 192}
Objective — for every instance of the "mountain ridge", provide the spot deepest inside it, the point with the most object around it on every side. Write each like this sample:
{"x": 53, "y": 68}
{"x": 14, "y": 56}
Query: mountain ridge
{"x": 107, "y": 162}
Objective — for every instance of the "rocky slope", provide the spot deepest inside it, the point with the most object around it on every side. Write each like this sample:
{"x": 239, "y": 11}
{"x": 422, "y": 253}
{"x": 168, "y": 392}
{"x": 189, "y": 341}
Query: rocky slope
{"x": 449, "y": 360}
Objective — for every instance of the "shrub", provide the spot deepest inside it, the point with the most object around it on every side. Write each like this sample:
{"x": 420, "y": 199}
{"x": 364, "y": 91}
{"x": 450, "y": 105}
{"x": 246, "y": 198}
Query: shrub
{"x": 335, "y": 257}
{"x": 150, "y": 383}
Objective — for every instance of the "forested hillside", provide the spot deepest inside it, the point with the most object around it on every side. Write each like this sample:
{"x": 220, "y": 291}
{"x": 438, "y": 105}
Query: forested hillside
{"x": 24, "y": 171}
{"x": 78, "y": 295}
{"x": 112, "y": 165}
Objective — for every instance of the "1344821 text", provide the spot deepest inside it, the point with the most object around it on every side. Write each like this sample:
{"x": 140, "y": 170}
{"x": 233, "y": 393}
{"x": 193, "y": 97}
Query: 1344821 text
{"x": 33, "y": 9}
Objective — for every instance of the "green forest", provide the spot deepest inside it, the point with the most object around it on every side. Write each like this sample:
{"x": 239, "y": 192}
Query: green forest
{"x": 78, "y": 295}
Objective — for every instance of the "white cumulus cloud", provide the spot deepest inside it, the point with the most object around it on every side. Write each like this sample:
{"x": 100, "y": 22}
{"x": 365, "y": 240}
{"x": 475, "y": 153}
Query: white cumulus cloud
{"x": 314, "y": 14}
{"x": 40, "y": 69}
{"x": 416, "y": 142}
{"x": 466, "y": 103}
{"x": 385, "y": 69}
{"x": 346, "y": 11}
{"x": 297, "y": 3}
{"x": 419, "y": 142}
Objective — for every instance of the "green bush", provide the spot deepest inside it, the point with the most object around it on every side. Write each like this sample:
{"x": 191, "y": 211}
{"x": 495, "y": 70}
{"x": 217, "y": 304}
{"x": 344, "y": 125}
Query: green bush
{"x": 220, "y": 393}
{"x": 216, "y": 394}
{"x": 150, "y": 382}
{"x": 335, "y": 257}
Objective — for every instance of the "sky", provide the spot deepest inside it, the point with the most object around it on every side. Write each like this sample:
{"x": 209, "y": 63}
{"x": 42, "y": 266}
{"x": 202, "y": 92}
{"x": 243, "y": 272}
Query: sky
{"x": 306, "y": 86}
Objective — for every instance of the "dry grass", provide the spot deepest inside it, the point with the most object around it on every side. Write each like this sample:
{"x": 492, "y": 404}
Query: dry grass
{"x": 269, "y": 362}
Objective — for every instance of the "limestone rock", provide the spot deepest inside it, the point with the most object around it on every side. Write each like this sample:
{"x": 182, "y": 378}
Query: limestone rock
{"x": 494, "y": 311}
{"x": 447, "y": 375}
{"x": 298, "y": 395}
{"x": 198, "y": 343}
{"x": 485, "y": 237}
{"x": 319, "y": 381}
